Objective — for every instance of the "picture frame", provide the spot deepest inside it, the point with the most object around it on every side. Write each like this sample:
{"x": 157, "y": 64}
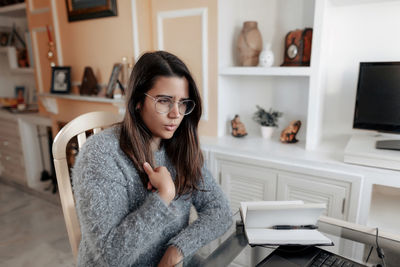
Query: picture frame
{"x": 113, "y": 79}
{"x": 4, "y": 38}
{"x": 90, "y": 9}
{"x": 60, "y": 80}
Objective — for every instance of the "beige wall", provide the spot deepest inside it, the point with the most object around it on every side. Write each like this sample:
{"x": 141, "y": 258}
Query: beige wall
{"x": 182, "y": 36}
{"x": 98, "y": 43}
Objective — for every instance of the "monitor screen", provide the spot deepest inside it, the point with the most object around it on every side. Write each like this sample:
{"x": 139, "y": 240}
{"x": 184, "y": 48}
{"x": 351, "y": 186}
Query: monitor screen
{"x": 378, "y": 97}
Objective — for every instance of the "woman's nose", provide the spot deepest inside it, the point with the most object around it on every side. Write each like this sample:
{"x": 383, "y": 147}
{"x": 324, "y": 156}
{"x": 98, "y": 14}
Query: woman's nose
{"x": 174, "y": 112}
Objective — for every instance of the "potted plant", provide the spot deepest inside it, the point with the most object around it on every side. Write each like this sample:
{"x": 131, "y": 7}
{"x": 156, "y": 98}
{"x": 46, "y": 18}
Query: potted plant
{"x": 267, "y": 119}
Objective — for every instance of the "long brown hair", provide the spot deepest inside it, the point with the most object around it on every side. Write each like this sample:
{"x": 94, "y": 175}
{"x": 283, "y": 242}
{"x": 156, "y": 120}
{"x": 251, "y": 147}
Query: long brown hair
{"x": 183, "y": 148}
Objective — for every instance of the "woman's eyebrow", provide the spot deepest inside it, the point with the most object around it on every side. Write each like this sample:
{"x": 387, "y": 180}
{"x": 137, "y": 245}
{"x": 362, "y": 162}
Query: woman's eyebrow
{"x": 168, "y": 96}
{"x": 171, "y": 97}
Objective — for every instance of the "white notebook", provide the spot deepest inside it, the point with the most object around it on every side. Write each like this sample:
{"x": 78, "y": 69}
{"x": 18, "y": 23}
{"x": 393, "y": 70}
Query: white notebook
{"x": 260, "y": 217}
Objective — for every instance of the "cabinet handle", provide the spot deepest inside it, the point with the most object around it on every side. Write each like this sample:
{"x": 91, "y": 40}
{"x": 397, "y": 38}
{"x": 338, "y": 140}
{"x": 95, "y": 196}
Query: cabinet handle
{"x": 8, "y": 158}
{"x": 5, "y": 143}
{"x": 343, "y": 205}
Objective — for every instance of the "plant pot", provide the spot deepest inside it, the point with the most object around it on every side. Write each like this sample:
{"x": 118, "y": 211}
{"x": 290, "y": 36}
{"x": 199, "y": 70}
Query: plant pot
{"x": 267, "y": 131}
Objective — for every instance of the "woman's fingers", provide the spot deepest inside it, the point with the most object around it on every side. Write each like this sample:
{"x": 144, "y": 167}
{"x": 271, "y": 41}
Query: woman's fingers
{"x": 147, "y": 168}
{"x": 149, "y": 185}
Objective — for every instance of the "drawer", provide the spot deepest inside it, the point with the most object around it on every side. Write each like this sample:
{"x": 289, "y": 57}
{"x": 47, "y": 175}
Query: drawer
{"x": 15, "y": 160}
{"x": 9, "y": 132}
{"x": 8, "y": 127}
{"x": 13, "y": 170}
{"x": 10, "y": 145}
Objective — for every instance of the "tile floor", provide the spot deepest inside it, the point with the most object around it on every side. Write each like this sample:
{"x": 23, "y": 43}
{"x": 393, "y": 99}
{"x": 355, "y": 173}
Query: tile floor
{"x": 32, "y": 231}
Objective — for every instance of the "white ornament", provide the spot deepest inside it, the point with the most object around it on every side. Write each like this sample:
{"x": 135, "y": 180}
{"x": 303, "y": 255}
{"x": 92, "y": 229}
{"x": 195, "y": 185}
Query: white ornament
{"x": 266, "y": 58}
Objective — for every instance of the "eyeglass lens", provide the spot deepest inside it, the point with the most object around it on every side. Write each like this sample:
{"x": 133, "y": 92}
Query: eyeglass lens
{"x": 165, "y": 105}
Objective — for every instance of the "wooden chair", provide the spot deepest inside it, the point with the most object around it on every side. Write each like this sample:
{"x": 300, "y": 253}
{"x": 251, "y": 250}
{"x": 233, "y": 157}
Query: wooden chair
{"x": 95, "y": 121}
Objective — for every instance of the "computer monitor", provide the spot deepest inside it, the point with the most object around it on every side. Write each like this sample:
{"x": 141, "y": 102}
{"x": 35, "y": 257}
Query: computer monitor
{"x": 378, "y": 100}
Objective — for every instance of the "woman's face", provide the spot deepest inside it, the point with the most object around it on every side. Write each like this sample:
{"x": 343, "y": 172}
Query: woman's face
{"x": 163, "y": 126}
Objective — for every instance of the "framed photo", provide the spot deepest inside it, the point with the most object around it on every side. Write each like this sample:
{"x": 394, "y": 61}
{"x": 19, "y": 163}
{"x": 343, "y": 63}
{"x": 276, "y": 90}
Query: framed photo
{"x": 113, "y": 79}
{"x": 90, "y": 9}
{"x": 61, "y": 80}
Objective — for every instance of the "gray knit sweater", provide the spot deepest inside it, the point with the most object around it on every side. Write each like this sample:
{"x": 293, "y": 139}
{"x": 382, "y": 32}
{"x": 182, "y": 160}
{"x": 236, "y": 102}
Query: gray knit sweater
{"x": 123, "y": 224}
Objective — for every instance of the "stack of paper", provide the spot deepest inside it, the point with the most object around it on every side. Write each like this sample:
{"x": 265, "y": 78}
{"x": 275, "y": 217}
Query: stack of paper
{"x": 260, "y": 219}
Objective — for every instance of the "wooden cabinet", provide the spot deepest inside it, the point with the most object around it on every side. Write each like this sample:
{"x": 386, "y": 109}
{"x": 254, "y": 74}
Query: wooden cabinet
{"x": 12, "y": 166}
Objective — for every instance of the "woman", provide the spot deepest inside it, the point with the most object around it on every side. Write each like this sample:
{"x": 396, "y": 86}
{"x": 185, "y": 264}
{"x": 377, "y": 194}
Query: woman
{"x": 134, "y": 183}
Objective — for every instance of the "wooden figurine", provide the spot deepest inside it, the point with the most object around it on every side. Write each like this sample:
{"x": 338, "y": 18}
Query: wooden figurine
{"x": 288, "y": 135}
{"x": 89, "y": 83}
{"x": 238, "y": 128}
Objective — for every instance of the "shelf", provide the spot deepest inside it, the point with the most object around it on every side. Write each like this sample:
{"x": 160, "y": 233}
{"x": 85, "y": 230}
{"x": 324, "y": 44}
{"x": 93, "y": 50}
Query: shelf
{"x": 84, "y": 98}
{"x": 11, "y": 51}
{"x": 15, "y": 10}
{"x": 22, "y": 70}
{"x": 269, "y": 71}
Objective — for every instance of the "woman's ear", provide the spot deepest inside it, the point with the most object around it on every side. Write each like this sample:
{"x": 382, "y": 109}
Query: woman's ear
{"x": 138, "y": 106}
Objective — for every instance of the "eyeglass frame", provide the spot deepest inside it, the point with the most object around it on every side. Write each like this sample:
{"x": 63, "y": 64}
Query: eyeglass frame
{"x": 155, "y": 99}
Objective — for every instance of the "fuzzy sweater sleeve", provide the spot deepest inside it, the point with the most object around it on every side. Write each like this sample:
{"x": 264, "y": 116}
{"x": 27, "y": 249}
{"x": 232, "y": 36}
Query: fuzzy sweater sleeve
{"x": 115, "y": 236}
{"x": 214, "y": 217}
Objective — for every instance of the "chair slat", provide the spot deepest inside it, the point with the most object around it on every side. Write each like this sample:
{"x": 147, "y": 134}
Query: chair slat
{"x": 96, "y": 130}
{"x": 81, "y": 139}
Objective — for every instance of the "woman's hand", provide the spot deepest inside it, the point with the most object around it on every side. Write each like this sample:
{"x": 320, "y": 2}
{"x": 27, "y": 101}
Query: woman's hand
{"x": 171, "y": 257}
{"x": 160, "y": 179}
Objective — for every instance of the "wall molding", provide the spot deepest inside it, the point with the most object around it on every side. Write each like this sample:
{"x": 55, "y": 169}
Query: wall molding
{"x": 203, "y": 12}
{"x": 56, "y": 31}
{"x": 36, "y": 11}
{"x": 135, "y": 31}
{"x": 37, "y": 58}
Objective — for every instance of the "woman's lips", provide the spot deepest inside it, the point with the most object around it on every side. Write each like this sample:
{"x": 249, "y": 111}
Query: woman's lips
{"x": 170, "y": 127}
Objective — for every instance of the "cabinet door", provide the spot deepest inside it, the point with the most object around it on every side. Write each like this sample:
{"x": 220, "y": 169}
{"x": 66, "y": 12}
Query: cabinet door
{"x": 247, "y": 183}
{"x": 313, "y": 189}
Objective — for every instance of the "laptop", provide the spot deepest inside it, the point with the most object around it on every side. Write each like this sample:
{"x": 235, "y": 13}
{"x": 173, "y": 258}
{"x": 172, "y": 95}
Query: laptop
{"x": 305, "y": 256}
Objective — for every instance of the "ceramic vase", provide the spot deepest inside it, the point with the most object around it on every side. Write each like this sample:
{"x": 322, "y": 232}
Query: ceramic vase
{"x": 267, "y": 131}
{"x": 249, "y": 44}
{"x": 266, "y": 58}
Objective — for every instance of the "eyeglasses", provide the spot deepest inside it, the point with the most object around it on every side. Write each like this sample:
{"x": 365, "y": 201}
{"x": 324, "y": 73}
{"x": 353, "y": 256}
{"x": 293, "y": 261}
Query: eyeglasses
{"x": 165, "y": 105}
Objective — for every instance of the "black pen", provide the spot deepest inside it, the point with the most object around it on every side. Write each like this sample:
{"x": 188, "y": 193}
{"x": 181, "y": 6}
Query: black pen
{"x": 293, "y": 227}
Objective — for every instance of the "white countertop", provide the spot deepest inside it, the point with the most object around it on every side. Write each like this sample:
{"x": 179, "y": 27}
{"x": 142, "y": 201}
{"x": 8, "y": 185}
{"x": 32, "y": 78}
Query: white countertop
{"x": 329, "y": 155}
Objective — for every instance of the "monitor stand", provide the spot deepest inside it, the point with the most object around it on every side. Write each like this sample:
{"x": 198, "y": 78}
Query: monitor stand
{"x": 361, "y": 149}
{"x": 388, "y": 144}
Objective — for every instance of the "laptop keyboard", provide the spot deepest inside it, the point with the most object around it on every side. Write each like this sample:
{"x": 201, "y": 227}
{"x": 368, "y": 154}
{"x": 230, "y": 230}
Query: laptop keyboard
{"x": 327, "y": 259}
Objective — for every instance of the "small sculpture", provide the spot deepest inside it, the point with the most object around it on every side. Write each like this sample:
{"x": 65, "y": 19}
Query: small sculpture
{"x": 288, "y": 135}
{"x": 238, "y": 128}
{"x": 89, "y": 83}
{"x": 249, "y": 44}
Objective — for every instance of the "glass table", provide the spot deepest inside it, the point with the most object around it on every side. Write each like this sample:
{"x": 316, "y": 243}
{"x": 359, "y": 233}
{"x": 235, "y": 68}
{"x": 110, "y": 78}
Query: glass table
{"x": 351, "y": 241}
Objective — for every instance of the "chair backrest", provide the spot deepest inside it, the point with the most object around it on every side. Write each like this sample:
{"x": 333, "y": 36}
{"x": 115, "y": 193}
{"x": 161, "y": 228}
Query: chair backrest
{"x": 95, "y": 121}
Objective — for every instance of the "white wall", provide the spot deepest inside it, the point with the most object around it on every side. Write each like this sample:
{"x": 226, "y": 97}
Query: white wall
{"x": 362, "y": 31}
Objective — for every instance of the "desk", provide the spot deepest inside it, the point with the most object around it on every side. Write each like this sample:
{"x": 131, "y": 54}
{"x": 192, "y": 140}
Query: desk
{"x": 351, "y": 241}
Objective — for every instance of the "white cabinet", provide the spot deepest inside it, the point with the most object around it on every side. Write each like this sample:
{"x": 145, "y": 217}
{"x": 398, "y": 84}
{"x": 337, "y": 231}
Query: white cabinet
{"x": 246, "y": 183}
{"x": 245, "y": 179}
{"x": 12, "y": 166}
{"x": 293, "y": 186}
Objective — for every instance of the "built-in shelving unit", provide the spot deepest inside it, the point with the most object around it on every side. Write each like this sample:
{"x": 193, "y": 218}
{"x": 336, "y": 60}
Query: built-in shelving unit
{"x": 11, "y": 52}
{"x": 270, "y": 71}
{"x": 286, "y": 89}
{"x": 322, "y": 96}
{"x": 11, "y": 73}
{"x": 83, "y": 98}
{"x": 15, "y": 10}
